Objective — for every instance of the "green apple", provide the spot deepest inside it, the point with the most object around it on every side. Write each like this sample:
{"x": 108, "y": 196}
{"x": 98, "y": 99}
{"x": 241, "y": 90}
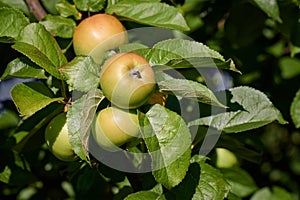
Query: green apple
{"x": 96, "y": 30}
{"x": 114, "y": 127}
{"x": 225, "y": 158}
{"x": 57, "y": 138}
{"x": 127, "y": 80}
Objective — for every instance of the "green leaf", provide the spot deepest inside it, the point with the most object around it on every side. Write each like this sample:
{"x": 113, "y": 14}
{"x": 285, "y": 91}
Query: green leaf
{"x": 41, "y": 48}
{"x": 212, "y": 184}
{"x": 187, "y": 188}
{"x": 189, "y": 89}
{"x": 50, "y": 6}
{"x": 59, "y": 26}
{"x": 242, "y": 184}
{"x": 270, "y": 7}
{"x": 23, "y": 68}
{"x": 150, "y": 13}
{"x": 199, "y": 62}
{"x": 17, "y": 4}
{"x": 169, "y": 141}
{"x": 74, "y": 116}
{"x": 5, "y": 175}
{"x": 12, "y": 23}
{"x": 289, "y": 67}
{"x": 8, "y": 119}
{"x": 82, "y": 74}
{"x": 134, "y": 47}
{"x": 91, "y": 5}
{"x": 145, "y": 195}
{"x": 31, "y": 97}
{"x": 79, "y": 118}
{"x": 16, "y": 172}
{"x": 295, "y": 110}
{"x": 274, "y": 193}
{"x": 66, "y": 9}
{"x": 257, "y": 111}
{"x": 165, "y": 51}
{"x": 92, "y": 100}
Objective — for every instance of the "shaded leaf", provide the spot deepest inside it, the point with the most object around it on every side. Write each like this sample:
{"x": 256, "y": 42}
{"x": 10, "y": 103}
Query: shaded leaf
{"x": 12, "y": 23}
{"x": 275, "y": 193}
{"x": 242, "y": 184}
{"x": 270, "y": 7}
{"x": 66, "y": 9}
{"x": 59, "y": 26}
{"x": 258, "y": 111}
{"x": 82, "y": 74}
{"x": 212, "y": 184}
{"x": 17, "y": 4}
{"x": 289, "y": 67}
{"x": 189, "y": 89}
{"x": 150, "y": 13}
{"x": 23, "y": 68}
{"x": 41, "y": 48}
{"x": 32, "y": 96}
{"x": 202, "y": 62}
{"x": 8, "y": 119}
{"x": 295, "y": 110}
{"x": 145, "y": 195}
{"x": 91, "y": 5}
{"x": 169, "y": 141}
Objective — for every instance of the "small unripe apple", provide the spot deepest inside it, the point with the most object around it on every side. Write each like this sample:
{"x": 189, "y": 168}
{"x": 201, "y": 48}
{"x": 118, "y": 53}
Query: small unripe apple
{"x": 225, "y": 158}
{"x": 114, "y": 127}
{"x": 96, "y": 30}
{"x": 57, "y": 138}
{"x": 127, "y": 80}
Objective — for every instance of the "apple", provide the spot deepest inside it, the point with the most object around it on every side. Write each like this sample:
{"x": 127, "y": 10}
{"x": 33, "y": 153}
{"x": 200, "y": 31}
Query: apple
{"x": 96, "y": 30}
{"x": 57, "y": 138}
{"x": 127, "y": 80}
{"x": 114, "y": 127}
{"x": 225, "y": 158}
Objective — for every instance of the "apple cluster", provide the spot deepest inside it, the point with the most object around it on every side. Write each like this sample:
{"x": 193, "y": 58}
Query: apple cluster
{"x": 126, "y": 79}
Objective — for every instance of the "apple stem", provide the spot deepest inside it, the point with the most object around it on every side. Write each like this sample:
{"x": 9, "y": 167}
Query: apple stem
{"x": 135, "y": 73}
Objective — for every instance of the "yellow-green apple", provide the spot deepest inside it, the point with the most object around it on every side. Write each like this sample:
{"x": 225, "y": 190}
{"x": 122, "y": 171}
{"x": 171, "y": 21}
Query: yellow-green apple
{"x": 57, "y": 138}
{"x": 225, "y": 158}
{"x": 127, "y": 80}
{"x": 114, "y": 127}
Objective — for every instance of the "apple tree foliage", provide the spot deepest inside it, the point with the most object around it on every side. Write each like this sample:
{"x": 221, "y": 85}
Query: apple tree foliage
{"x": 256, "y": 43}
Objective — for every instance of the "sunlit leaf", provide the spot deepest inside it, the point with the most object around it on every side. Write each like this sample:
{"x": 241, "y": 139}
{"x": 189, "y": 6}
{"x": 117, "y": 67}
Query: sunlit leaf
{"x": 81, "y": 74}
{"x": 59, "y": 26}
{"x": 257, "y": 111}
{"x": 189, "y": 89}
{"x": 40, "y": 47}
{"x": 295, "y": 110}
{"x": 168, "y": 139}
{"x": 150, "y": 12}
{"x": 32, "y": 96}
{"x": 12, "y": 23}
{"x": 22, "y": 67}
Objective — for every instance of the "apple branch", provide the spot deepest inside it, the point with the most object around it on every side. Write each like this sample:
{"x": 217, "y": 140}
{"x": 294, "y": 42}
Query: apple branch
{"x": 36, "y": 9}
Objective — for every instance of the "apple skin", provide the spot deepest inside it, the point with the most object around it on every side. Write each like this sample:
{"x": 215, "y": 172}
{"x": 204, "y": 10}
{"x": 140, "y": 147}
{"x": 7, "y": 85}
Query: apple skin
{"x": 96, "y": 30}
{"x": 114, "y": 127}
{"x": 225, "y": 158}
{"x": 127, "y": 80}
{"x": 57, "y": 138}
